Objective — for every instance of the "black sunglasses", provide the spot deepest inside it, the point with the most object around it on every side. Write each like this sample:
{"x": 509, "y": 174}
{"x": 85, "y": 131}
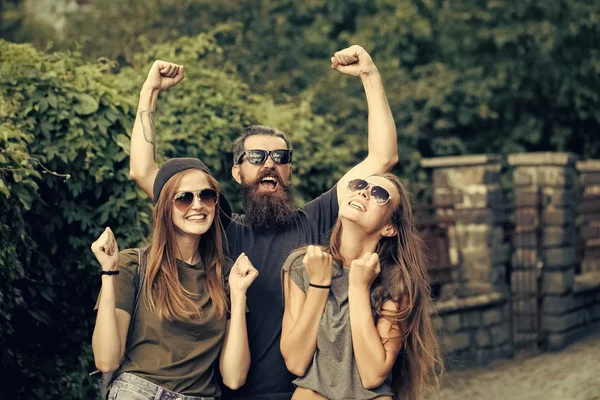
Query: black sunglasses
{"x": 257, "y": 156}
{"x": 184, "y": 200}
{"x": 379, "y": 194}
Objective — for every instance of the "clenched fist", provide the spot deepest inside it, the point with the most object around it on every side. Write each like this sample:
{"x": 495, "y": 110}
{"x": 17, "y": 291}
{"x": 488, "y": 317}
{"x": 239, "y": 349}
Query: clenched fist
{"x": 164, "y": 75}
{"x": 242, "y": 275}
{"x": 319, "y": 266}
{"x": 106, "y": 250}
{"x": 353, "y": 61}
{"x": 364, "y": 270}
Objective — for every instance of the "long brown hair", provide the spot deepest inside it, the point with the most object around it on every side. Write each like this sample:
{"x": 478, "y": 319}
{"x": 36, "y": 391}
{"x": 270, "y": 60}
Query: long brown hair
{"x": 404, "y": 277}
{"x": 165, "y": 296}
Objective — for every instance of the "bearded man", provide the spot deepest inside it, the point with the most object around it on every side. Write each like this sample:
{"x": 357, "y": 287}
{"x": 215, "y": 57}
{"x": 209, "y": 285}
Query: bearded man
{"x": 267, "y": 198}
{"x": 272, "y": 227}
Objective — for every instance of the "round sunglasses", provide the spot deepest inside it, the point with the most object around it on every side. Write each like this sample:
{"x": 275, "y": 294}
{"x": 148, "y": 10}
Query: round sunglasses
{"x": 379, "y": 194}
{"x": 258, "y": 156}
{"x": 183, "y": 200}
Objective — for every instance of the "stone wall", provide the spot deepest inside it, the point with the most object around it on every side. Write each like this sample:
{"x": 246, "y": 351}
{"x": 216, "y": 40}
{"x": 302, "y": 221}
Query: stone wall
{"x": 567, "y": 318}
{"x": 554, "y": 295}
{"x": 474, "y": 330}
{"x": 544, "y": 259}
{"x": 589, "y": 215}
{"x": 469, "y": 188}
{"x": 554, "y": 277}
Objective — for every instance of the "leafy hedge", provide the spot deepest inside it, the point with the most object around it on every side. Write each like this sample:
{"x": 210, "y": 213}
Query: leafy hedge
{"x": 64, "y": 140}
{"x": 59, "y": 114}
{"x": 462, "y": 76}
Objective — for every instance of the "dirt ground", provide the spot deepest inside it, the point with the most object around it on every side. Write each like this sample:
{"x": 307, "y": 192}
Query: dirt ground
{"x": 571, "y": 374}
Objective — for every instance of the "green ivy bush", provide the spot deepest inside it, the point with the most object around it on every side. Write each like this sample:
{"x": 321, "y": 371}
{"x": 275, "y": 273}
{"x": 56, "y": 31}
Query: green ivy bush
{"x": 58, "y": 114}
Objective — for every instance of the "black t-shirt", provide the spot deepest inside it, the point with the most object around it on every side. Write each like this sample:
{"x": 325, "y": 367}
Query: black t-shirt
{"x": 268, "y": 377}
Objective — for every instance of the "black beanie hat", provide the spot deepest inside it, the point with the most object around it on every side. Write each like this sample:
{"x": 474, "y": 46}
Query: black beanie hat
{"x": 175, "y": 165}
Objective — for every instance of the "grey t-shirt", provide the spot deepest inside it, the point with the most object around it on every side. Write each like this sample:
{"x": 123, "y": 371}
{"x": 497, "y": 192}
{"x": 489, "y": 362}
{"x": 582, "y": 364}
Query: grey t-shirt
{"x": 333, "y": 372}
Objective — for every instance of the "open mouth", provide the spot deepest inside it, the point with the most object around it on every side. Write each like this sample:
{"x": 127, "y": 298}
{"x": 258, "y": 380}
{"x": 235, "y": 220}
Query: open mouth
{"x": 269, "y": 183}
{"x": 357, "y": 205}
{"x": 196, "y": 218}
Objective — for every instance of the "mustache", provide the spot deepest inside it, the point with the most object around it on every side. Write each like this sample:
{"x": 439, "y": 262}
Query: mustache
{"x": 270, "y": 173}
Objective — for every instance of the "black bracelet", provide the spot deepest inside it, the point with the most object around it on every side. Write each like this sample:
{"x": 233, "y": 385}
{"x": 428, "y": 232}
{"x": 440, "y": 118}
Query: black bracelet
{"x": 319, "y": 286}
{"x": 115, "y": 272}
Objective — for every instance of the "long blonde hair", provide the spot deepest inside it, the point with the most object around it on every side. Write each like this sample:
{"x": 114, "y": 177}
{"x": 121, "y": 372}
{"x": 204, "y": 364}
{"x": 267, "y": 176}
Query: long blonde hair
{"x": 404, "y": 277}
{"x": 164, "y": 294}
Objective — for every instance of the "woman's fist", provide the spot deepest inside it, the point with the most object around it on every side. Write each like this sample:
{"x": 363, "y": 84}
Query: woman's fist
{"x": 106, "y": 250}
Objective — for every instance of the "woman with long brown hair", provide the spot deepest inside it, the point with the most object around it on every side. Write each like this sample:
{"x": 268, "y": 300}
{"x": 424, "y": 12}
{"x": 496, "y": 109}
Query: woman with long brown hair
{"x": 357, "y": 321}
{"x": 175, "y": 289}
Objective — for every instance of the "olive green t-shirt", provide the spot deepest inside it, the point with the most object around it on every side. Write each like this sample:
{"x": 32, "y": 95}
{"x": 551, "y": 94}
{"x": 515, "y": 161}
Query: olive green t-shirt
{"x": 177, "y": 355}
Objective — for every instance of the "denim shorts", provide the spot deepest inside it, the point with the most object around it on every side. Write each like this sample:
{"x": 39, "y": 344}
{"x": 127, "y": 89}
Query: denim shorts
{"x": 131, "y": 387}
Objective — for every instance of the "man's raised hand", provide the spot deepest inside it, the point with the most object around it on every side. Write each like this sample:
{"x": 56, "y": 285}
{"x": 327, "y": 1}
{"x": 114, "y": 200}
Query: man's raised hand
{"x": 164, "y": 75}
{"x": 353, "y": 61}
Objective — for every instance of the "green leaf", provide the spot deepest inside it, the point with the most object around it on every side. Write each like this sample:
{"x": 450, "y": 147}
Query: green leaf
{"x": 4, "y": 189}
{"x": 123, "y": 142}
{"x": 86, "y": 104}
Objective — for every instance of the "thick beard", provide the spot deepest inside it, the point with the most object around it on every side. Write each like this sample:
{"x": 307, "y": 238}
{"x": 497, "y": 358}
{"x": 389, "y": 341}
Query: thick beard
{"x": 268, "y": 210}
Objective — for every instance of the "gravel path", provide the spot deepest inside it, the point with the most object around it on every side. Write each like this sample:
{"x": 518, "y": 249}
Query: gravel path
{"x": 572, "y": 374}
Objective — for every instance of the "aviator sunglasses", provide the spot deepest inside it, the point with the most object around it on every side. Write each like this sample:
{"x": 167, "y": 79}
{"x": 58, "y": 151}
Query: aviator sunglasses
{"x": 184, "y": 200}
{"x": 379, "y": 194}
{"x": 257, "y": 156}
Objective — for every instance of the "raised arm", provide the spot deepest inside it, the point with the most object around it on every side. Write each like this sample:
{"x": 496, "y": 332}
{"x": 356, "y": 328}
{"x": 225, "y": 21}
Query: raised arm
{"x": 376, "y": 345}
{"x": 142, "y": 165}
{"x": 112, "y": 324}
{"x": 303, "y": 311}
{"x": 234, "y": 361}
{"x": 382, "y": 141}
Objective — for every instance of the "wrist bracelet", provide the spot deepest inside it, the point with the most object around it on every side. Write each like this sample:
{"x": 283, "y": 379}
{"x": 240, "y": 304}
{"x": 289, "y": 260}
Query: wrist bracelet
{"x": 115, "y": 272}
{"x": 319, "y": 286}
